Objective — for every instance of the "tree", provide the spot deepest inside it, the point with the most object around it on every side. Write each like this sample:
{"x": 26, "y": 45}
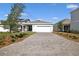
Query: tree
{"x": 60, "y": 26}
{"x": 14, "y": 15}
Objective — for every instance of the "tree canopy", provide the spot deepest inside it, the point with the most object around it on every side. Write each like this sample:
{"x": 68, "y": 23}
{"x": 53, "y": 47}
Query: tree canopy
{"x": 13, "y": 16}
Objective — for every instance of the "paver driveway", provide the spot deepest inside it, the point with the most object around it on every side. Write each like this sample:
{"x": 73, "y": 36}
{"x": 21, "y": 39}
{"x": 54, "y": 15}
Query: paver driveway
{"x": 42, "y": 44}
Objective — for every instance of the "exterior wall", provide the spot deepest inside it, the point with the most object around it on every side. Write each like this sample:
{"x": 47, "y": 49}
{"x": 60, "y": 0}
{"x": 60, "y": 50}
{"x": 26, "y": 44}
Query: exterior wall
{"x": 42, "y": 28}
{"x": 74, "y": 26}
{"x": 26, "y": 28}
{"x": 35, "y": 28}
{"x": 23, "y": 28}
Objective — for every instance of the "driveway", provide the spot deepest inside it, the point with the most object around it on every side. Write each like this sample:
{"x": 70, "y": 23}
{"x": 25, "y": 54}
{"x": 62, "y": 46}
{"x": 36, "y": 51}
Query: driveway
{"x": 42, "y": 44}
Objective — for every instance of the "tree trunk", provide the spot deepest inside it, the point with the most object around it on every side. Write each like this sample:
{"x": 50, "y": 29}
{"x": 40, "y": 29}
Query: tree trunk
{"x": 10, "y": 29}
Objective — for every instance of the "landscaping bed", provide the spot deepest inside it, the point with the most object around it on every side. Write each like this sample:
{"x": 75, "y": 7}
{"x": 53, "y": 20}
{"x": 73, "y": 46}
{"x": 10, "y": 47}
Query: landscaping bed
{"x": 7, "y": 38}
{"x": 70, "y": 36}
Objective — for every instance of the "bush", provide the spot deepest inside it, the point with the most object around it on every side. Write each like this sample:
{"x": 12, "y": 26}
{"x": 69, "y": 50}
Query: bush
{"x": 17, "y": 35}
{"x": 69, "y": 35}
{"x": 20, "y": 35}
{"x": 74, "y": 37}
{"x": 13, "y": 40}
{"x": 12, "y": 36}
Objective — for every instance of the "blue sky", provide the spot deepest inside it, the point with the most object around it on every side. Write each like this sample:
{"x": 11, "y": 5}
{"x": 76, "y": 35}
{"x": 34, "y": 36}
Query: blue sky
{"x": 44, "y": 11}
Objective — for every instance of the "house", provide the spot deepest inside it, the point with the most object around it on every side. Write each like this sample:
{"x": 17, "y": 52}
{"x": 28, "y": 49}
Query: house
{"x": 66, "y": 25}
{"x": 74, "y": 26}
{"x": 36, "y": 26}
{"x": 2, "y": 29}
{"x": 55, "y": 27}
{"x": 63, "y": 25}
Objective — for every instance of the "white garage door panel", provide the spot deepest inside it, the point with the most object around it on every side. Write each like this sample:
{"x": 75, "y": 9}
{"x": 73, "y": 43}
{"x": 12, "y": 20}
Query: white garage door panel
{"x": 42, "y": 28}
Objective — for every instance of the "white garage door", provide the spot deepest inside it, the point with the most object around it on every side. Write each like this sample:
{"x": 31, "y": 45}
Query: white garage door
{"x": 43, "y": 28}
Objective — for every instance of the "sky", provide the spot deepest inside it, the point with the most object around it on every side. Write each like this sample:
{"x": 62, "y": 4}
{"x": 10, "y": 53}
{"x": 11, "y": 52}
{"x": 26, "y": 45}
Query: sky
{"x": 51, "y": 12}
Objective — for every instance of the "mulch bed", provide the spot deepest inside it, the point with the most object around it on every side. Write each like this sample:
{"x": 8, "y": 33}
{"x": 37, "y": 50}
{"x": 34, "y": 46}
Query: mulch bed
{"x": 8, "y": 40}
{"x": 69, "y": 36}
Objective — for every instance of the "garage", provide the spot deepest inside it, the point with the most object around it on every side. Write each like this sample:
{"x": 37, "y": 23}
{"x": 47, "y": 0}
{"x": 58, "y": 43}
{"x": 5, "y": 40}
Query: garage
{"x": 42, "y": 28}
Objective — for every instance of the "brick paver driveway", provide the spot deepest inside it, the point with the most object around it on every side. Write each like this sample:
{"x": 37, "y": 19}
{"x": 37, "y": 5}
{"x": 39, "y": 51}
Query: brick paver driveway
{"x": 42, "y": 44}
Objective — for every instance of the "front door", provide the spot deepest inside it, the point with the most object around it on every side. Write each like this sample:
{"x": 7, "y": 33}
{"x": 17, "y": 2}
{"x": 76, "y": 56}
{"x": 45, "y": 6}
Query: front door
{"x": 29, "y": 27}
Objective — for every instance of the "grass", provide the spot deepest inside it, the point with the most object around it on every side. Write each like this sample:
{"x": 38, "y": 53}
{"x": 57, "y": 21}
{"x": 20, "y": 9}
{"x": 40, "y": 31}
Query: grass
{"x": 70, "y": 36}
{"x": 7, "y": 38}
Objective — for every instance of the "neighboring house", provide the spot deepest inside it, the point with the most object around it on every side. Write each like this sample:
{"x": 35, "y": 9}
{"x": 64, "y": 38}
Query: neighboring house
{"x": 55, "y": 27}
{"x": 65, "y": 25}
{"x": 36, "y": 26}
{"x": 74, "y": 26}
{"x": 2, "y": 29}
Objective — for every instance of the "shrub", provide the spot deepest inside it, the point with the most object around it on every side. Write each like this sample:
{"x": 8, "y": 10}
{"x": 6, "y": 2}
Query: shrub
{"x": 74, "y": 37}
{"x": 20, "y": 35}
{"x": 12, "y": 36}
{"x": 13, "y": 40}
{"x": 17, "y": 35}
{"x": 69, "y": 35}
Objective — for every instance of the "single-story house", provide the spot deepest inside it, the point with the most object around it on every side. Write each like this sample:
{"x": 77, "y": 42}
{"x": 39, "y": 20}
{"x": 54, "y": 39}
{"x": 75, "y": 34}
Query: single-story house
{"x": 36, "y": 26}
{"x": 2, "y": 29}
{"x": 74, "y": 26}
{"x": 63, "y": 25}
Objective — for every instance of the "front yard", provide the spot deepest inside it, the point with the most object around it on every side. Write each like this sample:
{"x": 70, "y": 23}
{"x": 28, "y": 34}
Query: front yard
{"x": 7, "y": 38}
{"x": 70, "y": 36}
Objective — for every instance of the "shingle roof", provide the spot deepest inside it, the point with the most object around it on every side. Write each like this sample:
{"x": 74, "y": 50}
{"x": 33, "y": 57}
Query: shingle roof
{"x": 66, "y": 21}
{"x": 39, "y": 22}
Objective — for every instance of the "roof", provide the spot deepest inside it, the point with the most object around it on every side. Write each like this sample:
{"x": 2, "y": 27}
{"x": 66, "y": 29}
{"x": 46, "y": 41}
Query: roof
{"x": 66, "y": 21}
{"x": 37, "y": 22}
{"x": 74, "y": 10}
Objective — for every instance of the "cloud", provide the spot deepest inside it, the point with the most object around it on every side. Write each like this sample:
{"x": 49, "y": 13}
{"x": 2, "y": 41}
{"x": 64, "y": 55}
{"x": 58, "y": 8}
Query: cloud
{"x": 39, "y": 19}
{"x": 23, "y": 14}
{"x": 72, "y": 6}
{"x": 6, "y": 15}
{"x": 55, "y": 18}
